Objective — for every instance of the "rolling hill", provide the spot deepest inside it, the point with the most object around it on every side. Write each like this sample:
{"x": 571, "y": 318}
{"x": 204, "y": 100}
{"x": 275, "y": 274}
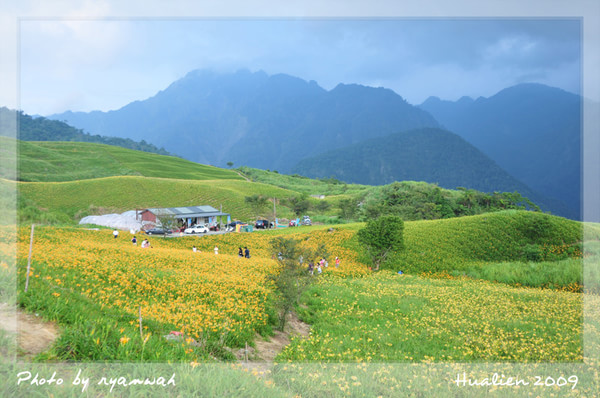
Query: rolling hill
{"x": 71, "y": 180}
{"x": 70, "y": 161}
{"x": 75, "y": 199}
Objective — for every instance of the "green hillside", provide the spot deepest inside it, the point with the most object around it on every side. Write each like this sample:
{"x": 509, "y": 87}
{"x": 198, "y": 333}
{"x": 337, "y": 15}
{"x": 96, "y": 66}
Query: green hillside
{"x": 460, "y": 243}
{"x": 121, "y": 193}
{"x": 70, "y": 161}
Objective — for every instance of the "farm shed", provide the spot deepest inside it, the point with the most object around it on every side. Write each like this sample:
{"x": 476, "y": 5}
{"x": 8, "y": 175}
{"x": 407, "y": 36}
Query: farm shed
{"x": 186, "y": 216}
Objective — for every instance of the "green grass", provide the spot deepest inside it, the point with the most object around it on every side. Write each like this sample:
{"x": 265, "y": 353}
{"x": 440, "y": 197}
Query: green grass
{"x": 459, "y": 243}
{"x": 388, "y": 317}
{"x": 129, "y": 193}
{"x": 71, "y": 161}
{"x": 565, "y": 274}
{"x": 304, "y": 184}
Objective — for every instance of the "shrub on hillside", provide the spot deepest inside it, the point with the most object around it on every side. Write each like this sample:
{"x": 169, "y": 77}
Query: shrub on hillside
{"x": 381, "y": 237}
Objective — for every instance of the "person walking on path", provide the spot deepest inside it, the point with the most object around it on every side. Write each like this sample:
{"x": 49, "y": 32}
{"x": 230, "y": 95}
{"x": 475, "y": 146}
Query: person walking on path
{"x": 246, "y": 252}
{"x": 134, "y": 240}
{"x": 337, "y": 262}
{"x": 116, "y": 233}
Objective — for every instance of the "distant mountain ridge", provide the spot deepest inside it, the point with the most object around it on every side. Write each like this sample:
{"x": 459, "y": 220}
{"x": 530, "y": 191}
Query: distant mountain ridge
{"x": 42, "y": 129}
{"x": 254, "y": 119}
{"x": 430, "y": 155}
{"x": 531, "y": 130}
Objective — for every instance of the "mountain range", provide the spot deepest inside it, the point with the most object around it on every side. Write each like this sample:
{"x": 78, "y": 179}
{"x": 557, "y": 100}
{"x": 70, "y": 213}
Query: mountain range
{"x": 280, "y": 122}
{"x": 531, "y": 130}
{"x": 254, "y": 119}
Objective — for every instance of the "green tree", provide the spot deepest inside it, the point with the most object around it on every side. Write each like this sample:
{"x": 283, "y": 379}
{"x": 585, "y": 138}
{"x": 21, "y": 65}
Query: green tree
{"x": 229, "y": 164}
{"x": 299, "y": 204}
{"x": 322, "y": 206}
{"x": 258, "y": 203}
{"x": 381, "y": 237}
{"x": 348, "y": 208}
{"x": 293, "y": 278}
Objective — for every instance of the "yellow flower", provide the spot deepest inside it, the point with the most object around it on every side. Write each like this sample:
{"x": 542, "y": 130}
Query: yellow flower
{"x": 124, "y": 340}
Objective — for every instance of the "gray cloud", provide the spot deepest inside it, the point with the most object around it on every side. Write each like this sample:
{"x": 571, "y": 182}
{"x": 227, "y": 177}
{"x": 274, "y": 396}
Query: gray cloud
{"x": 106, "y": 64}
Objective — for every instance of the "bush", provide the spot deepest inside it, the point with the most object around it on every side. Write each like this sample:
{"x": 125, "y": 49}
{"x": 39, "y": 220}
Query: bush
{"x": 532, "y": 252}
{"x": 381, "y": 237}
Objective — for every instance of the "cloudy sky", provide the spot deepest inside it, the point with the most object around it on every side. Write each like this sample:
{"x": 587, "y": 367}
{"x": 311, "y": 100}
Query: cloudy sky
{"x": 97, "y": 56}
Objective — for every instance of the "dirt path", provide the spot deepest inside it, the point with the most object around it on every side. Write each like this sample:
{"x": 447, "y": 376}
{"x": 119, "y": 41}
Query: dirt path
{"x": 260, "y": 359}
{"x": 33, "y": 335}
{"x": 243, "y": 176}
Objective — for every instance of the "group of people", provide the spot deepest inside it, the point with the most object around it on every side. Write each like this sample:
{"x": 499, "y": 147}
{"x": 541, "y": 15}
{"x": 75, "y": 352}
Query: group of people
{"x": 320, "y": 265}
{"x": 244, "y": 253}
{"x": 145, "y": 243}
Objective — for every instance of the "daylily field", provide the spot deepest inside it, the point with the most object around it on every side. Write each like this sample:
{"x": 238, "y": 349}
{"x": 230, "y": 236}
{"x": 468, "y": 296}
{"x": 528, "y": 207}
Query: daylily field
{"x": 198, "y": 307}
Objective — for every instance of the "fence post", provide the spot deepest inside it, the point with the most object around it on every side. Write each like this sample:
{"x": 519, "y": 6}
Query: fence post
{"x": 29, "y": 259}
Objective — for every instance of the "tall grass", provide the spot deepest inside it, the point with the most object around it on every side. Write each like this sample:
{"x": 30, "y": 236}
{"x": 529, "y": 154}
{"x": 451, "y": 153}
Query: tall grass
{"x": 565, "y": 274}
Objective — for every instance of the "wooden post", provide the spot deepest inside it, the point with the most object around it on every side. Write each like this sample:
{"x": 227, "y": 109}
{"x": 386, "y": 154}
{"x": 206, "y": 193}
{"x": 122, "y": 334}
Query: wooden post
{"x": 29, "y": 259}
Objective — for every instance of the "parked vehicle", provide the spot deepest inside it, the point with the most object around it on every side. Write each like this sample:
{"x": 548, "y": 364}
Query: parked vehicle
{"x": 156, "y": 231}
{"x": 292, "y": 223}
{"x": 306, "y": 220}
{"x": 196, "y": 229}
{"x": 262, "y": 224}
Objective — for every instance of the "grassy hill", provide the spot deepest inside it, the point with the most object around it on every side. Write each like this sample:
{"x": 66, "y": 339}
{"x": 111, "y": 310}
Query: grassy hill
{"x": 70, "y": 161}
{"x": 102, "y": 179}
{"x": 118, "y": 194}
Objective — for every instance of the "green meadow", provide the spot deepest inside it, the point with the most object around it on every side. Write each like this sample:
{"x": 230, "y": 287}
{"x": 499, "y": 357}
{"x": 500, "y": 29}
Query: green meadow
{"x": 504, "y": 288}
{"x": 72, "y": 161}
